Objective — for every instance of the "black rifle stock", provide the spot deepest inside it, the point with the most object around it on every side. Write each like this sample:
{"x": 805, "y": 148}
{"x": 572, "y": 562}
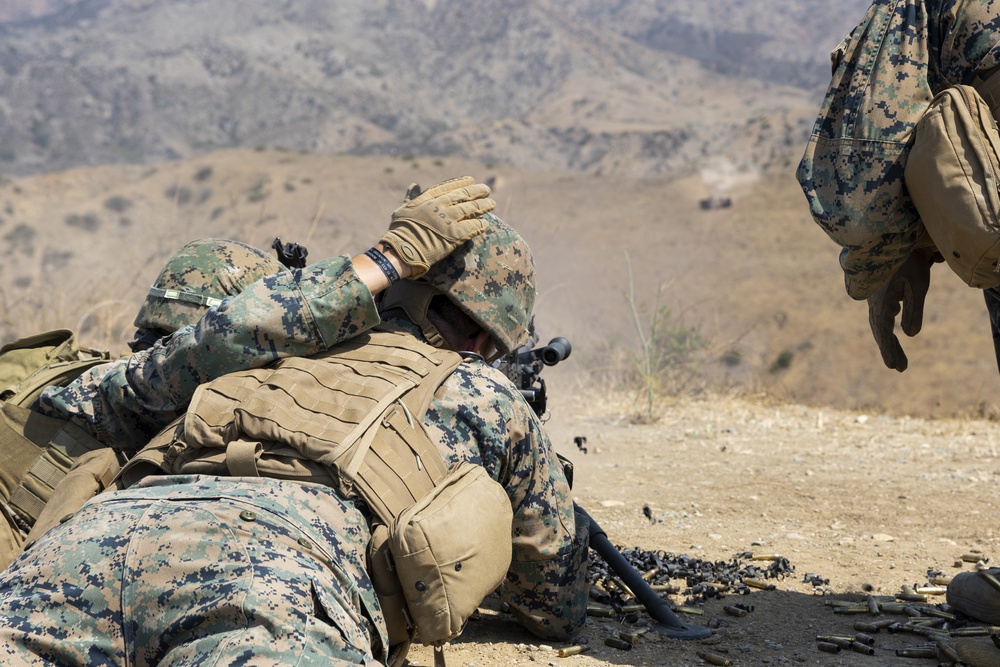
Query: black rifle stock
{"x": 524, "y": 366}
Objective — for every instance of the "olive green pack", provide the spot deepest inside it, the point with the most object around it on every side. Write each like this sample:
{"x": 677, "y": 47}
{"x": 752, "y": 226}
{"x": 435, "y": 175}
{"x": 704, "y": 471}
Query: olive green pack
{"x": 37, "y": 451}
{"x": 30, "y": 364}
{"x": 953, "y": 174}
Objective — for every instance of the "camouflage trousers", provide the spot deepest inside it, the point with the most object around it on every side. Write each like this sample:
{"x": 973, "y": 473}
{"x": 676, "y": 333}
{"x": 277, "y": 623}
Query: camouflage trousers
{"x": 193, "y": 570}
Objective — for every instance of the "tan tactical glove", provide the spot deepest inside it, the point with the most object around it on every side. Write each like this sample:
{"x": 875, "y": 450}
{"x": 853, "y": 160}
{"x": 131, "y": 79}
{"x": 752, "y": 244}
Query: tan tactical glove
{"x": 430, "y": 225}
{"x": 907, "y": 287}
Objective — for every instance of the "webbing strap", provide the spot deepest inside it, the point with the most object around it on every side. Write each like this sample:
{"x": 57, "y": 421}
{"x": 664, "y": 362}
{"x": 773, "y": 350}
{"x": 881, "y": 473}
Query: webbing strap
{"x": 989, "y": 90}
{"x": 26, "y": 503}
{"x": 372, "y": 417}
{"x": 35, "y": 488}
{"x": 399, "y": 468}
{"x": 241, "y": 458}
{"x": 47, "y": 472}
{"x": 183, "y": 295}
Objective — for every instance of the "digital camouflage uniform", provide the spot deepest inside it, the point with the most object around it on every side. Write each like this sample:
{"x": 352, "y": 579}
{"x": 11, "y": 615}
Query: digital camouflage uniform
{"x": 126, "y": 404}
{"x": 285, "y": 583}
{"x": 43, "y": 478}
{"x": 885, "y": 75}
{"x": 201, "y": 275}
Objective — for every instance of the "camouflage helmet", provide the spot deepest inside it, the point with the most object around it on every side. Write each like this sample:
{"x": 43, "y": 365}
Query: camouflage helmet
{"x": 199, "y": 276}
{"x": 491, "y": 278}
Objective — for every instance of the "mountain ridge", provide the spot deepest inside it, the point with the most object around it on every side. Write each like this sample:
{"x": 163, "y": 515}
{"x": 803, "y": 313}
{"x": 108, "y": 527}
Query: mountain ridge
{"x": 549, "y": 84}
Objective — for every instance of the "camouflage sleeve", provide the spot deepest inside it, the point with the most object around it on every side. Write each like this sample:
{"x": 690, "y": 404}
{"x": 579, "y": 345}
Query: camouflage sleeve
{"x": 292, "y": 313}
{"x": 478, "y": 415}
{"x": 885, "y": 75}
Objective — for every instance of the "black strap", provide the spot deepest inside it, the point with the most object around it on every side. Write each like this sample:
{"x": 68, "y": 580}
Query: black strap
{"x": 992, "y": 296}
{"x": 375, "y": 255}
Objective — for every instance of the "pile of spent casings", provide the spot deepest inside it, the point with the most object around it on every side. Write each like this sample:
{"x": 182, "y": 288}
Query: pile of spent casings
{"x": 697, "y": 579}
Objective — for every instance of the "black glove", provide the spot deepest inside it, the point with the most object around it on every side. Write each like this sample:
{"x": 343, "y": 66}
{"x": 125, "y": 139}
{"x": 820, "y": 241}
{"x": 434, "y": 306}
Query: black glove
{"x": 905, "y": 291}
{"x": 291, "y": 255}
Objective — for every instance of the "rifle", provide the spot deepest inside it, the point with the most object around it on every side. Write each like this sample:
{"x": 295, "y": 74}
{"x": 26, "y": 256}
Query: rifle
{"x": 524, "y": 366}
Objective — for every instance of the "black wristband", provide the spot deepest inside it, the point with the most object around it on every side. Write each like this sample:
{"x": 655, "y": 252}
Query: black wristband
{"x": 383, "y": 263}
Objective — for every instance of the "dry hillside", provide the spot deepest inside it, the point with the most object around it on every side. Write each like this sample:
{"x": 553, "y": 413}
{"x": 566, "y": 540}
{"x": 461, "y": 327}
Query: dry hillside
{"x": 632, "y": 88}
{"x": 758, "y": 280}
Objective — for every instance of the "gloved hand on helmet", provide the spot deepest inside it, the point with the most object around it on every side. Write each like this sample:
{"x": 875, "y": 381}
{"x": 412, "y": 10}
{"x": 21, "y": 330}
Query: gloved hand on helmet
{"x": 905, "y": 291}
{"x": 431, "y": 224}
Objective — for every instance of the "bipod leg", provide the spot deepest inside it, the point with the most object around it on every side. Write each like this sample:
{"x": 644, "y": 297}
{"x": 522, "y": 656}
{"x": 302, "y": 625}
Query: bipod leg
{"x": 670, "y": 625}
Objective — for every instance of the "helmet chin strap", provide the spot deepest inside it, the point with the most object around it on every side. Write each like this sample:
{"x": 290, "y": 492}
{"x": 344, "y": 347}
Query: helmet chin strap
{"x": 414, "y": 299}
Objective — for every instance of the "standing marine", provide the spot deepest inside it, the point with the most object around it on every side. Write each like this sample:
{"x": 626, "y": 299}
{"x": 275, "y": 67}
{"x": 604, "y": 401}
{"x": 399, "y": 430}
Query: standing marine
{"x": 886, "y": 75}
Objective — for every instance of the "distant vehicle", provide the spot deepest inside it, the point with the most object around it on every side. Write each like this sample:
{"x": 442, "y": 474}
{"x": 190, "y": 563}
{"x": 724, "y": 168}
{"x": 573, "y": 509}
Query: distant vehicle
{"x": 715, "y": 201}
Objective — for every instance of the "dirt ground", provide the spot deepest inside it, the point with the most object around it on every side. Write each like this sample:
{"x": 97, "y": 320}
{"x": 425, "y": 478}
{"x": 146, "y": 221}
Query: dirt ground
{"x": 868, "y": 502}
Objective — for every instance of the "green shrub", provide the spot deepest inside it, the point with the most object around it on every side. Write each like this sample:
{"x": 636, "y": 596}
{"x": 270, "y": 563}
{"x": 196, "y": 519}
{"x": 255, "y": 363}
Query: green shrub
{"x": 783, "y": 361}
{"x": 118, "y": 204}
{"x": 88, "y": 222}
{"x": 21, "y": 234}
{"x": 181, "y": 194}
{"x": 259, "y": 191}
{"x": 669, "y": 351}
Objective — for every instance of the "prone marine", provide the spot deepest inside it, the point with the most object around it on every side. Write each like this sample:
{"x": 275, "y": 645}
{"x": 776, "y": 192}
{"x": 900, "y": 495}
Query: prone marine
{"x": 243, "y": 532}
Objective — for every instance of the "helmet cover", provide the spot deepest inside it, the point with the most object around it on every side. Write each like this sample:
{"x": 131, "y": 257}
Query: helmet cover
{"x": 491, "y": 277}
{"x": 199, "y": 276}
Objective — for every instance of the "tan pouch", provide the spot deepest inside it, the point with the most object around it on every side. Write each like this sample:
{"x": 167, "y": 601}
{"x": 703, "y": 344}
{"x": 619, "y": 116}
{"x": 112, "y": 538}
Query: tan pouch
{"x": 452, "y": 549}
{"x": 952, "y": 174}
{"x": 91, "y": 473}
{"x": 36, "y": 452}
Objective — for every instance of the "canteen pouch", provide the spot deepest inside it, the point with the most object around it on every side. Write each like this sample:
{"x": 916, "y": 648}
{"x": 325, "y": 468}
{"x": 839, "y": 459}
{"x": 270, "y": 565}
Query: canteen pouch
{"x": 452, "y": 549}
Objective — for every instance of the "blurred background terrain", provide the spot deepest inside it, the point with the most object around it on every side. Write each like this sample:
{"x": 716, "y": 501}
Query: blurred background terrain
{"x": 651, "y": 138}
